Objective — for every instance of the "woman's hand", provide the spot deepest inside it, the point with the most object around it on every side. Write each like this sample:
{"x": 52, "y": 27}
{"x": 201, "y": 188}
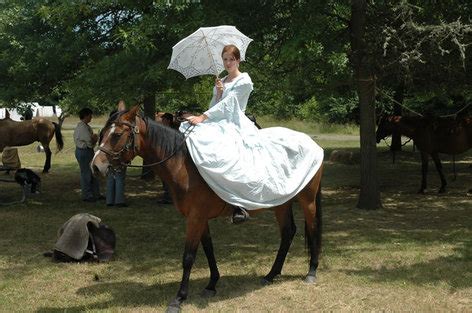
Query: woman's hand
{"x": 219, "y": 88}
{"x": 194, "y": 120}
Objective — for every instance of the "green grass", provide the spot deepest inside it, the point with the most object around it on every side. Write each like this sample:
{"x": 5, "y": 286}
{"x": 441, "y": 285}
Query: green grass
{"x": 310, "y": 127}
{"x": 413, "y": 255}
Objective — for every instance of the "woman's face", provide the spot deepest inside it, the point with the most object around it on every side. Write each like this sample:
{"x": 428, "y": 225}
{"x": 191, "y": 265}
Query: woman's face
{"x": 230, "y": 62}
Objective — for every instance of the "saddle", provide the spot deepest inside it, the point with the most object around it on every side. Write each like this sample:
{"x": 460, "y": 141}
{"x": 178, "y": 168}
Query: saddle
{"x": 84, "y": 238}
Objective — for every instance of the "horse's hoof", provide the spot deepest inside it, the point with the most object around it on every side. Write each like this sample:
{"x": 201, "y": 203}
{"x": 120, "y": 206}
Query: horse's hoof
{"x": 420, "y": 192}
{"x": 207, "y": 293}
{"x": 310, "y": 279}
{"x": 442, "y": 190}
{"x": 265, "y": 281}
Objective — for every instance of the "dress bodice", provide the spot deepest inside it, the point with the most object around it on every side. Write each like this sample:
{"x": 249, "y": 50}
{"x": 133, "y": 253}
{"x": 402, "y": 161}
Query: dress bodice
{"x": 240, "y": 87}
{"x": 246, "y": 166}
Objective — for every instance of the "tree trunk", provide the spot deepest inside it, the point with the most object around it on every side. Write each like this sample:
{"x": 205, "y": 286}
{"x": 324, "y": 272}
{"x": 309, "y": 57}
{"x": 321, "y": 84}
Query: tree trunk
{"x": 149, "y": 111}
{"x": 369, "y": 197}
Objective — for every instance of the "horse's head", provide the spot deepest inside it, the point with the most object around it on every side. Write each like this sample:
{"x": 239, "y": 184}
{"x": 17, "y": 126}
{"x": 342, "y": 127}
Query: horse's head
{"x": 172, "y": 120}
{"x": 165, "y": 118}
{"x": 386, "y": 127}
{"x": 119, "y": 141}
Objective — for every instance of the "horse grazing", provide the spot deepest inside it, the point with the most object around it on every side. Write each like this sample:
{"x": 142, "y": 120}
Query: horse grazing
{"x": 13, "y": 133}
{"x": 129, "y": 135}
{"x": 431, "y": 136}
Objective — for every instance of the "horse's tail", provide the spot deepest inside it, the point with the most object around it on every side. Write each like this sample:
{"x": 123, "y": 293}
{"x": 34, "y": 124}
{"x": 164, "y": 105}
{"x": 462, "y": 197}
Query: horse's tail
{"x": 59, "y": 139}
{"x": 318, "y": 224}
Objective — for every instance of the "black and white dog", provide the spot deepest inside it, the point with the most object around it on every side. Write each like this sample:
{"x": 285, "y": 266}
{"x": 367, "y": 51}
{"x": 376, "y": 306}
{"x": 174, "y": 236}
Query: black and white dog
{"x": 28, "y": 179}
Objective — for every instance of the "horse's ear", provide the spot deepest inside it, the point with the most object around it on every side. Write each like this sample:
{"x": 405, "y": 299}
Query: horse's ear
{"x": 131, "y": 114}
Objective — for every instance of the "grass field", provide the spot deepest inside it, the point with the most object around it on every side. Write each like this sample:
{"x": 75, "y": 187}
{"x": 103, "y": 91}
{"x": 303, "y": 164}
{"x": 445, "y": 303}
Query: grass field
{"x": 415, "y": 254}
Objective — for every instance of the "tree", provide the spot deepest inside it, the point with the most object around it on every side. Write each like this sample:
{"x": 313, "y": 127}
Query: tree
{"x": 369, "y": 197}
{"x": 93, "y": 53}
{"x": 36, "y": 56}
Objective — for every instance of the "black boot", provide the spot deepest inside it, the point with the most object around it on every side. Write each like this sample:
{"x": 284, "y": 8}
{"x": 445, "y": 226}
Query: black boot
{"x": 240, "y": 215}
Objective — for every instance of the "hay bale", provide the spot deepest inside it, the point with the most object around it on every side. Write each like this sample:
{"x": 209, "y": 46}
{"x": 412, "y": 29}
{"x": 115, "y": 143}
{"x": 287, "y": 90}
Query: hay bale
{"x": 344, "y": 157}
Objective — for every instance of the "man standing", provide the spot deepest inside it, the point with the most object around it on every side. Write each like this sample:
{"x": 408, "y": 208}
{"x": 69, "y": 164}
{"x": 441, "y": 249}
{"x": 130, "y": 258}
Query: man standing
{"x": 85, "y": 140}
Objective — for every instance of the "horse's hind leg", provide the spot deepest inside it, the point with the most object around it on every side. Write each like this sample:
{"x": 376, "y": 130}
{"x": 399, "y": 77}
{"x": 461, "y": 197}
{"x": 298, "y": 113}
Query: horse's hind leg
{"x": 47, "y": 164}
{"x": 313, "y": 231}
{"x": 287, "y": 229}
{"x": 438, "y": 164}
{"x": 210, "y": 289}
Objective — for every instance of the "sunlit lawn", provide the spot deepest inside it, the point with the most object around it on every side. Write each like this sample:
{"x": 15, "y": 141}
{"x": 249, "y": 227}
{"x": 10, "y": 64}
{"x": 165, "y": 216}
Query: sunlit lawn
{"x": 413, "y": 255}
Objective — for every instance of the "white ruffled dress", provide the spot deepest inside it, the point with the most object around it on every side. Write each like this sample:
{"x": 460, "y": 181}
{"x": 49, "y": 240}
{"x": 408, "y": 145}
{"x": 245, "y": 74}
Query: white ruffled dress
{"x": 245, "y": 166}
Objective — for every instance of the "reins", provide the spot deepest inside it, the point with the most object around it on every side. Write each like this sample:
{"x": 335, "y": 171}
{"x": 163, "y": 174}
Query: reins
{"x": 186, "y": 133}
{"x": 131, "y": 144}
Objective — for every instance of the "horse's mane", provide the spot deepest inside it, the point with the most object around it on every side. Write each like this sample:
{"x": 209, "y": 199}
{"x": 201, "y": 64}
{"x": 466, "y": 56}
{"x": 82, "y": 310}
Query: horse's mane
{"x": 159, "y": 135}
{"x": 165, "y": 137}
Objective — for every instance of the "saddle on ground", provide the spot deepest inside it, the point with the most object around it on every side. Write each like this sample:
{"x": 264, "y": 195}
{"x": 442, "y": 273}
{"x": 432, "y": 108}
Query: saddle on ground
{"x": 84, "y": 238}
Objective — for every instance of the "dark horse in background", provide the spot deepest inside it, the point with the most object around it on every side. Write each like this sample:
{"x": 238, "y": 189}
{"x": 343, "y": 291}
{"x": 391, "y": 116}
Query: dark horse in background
{"x": 432, "y": 136}
{"x": 174, "y": 120}
{"x": 13, "y": 133}
{"x": 128, "y": 135}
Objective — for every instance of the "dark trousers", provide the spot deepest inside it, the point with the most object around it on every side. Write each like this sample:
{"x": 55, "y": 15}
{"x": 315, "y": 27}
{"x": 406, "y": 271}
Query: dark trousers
{"x": 116, "y": 186}
{"x": 88, "y": 183}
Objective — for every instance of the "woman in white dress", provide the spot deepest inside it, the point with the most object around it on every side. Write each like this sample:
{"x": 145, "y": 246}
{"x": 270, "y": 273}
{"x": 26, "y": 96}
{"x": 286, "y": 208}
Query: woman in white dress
{"x": 247, "y": 167}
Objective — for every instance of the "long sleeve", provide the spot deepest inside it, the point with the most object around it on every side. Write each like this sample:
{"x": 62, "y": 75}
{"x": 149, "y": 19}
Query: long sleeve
{"x": 238, "y": 94}
{"x": 213, "y": 100}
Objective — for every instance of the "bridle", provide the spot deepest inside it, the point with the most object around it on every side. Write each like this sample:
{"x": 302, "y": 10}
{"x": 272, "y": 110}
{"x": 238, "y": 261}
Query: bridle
{"x": 130, "y": 145}
{"x": 384, "y": 138}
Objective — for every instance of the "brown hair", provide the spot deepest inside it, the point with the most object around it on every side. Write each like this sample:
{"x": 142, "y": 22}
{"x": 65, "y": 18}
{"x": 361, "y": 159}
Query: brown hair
{"x": 233, "y": 50}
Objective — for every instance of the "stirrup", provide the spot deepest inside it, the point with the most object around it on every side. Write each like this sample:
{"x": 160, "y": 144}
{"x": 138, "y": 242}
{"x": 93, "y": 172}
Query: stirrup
{"x": 240, "y": 215}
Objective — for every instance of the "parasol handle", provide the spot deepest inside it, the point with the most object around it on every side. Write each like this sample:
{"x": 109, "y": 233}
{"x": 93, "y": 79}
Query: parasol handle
{"x": 209, "y": 53}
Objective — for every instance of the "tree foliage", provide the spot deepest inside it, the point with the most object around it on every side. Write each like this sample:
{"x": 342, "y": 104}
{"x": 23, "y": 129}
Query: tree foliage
{"x": 92, "y": 53}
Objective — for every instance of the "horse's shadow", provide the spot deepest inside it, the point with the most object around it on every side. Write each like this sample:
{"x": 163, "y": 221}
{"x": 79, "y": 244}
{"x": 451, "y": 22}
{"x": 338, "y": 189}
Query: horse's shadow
{"x": 132, "y": 294}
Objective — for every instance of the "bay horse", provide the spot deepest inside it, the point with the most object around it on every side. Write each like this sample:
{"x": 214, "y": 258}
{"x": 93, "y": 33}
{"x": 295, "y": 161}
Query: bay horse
{"x": 431, "y": 136}
{"x": 129, "y": 134}
{"x": 13, "y": 133}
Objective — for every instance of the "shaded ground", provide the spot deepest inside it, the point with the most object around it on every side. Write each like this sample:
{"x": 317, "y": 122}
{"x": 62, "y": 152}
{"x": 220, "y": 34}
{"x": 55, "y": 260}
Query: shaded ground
{"x": 413, "y": 255}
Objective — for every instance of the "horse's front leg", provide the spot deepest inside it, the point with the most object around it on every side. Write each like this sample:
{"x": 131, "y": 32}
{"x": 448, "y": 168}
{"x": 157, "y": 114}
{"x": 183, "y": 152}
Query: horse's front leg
{"x": 210, "y": 289}
{"x": 424, "y": 171}
{"x": 437, "y": 163}
{"x": 194, "y": 233}
{"x": 287, "y": 230}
